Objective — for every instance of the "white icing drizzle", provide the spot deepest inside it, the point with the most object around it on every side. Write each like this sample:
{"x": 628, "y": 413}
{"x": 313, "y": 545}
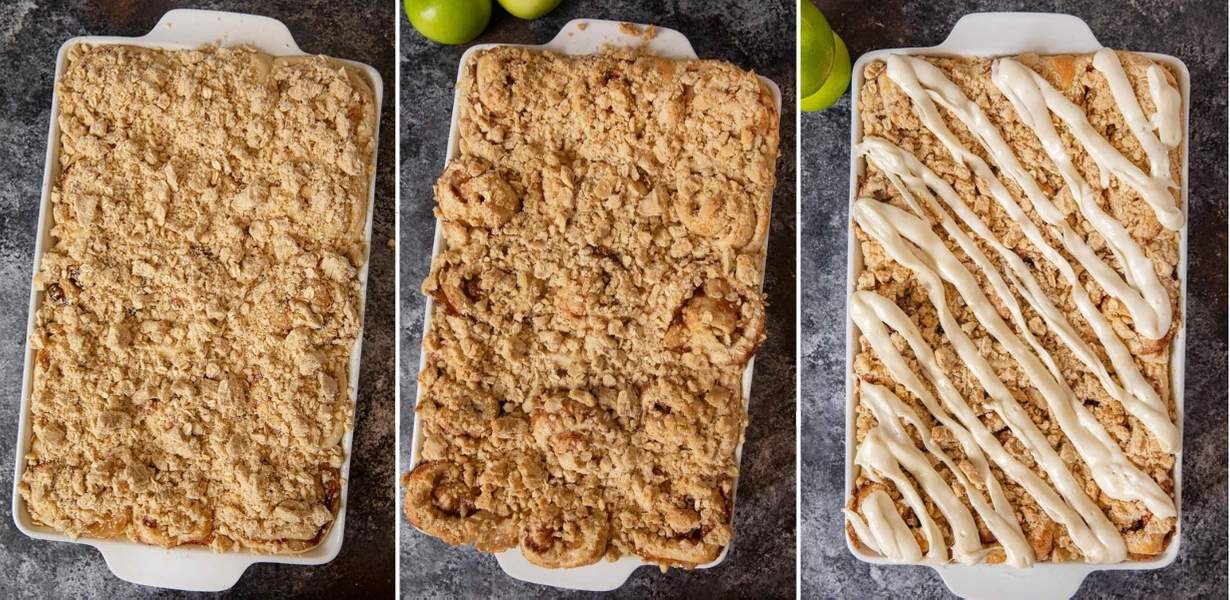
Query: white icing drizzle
{"x": 878, "y": 457}
{"x": 1107, "y": 62}
{"x": 914, "y": 179}
{"x": 1000, "y": 519}
{"x": 1114, "y": 473}
{"x": 871, "y": 312}
{"x": 1166, "y": 99}
{"x": 1147, "y": 301}
{"x": 888, "y": 446}
{"x": 1138, "y": 267}
{"x": 862, "y": 531}
{"x": 891, "y": 535}
{"x": 1088, "y": 527}
{"x": 1020, "y": 83}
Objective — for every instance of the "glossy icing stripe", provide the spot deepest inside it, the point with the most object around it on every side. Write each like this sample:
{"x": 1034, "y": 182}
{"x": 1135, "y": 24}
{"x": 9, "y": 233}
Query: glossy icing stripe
{"x": 1145, "y": 298}
{"x": 1106, "y": 61}
{"x": 862, "y": 531}
{"x": 871, "y": 312}
{"x": 900, "y": 166}
{"x": 1114, "y": 473}
{"x": 1137, "y": 267}
{"x": 1167, "y": 101}
{"x": 892, "y": 536}
{"x": 1088, "y": 527}
{"x": 1022, "y": 83}
{"x": 891, "y": 437}
{"x": 881, "y": 460}
{"x": 967, "y": 547}
{"x": 912, "y": 178}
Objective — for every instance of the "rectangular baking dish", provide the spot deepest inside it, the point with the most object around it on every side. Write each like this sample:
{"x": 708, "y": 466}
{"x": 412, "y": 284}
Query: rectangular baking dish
{"x": 1006, "y": 34}
{"x": 579, "y": 36}
{"x": 194, "y": 568}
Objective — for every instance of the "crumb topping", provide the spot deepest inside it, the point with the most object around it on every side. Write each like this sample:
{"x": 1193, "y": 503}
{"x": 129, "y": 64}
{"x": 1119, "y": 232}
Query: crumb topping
{"x": 200, "y": 297}
{"x": 597, "y": 298}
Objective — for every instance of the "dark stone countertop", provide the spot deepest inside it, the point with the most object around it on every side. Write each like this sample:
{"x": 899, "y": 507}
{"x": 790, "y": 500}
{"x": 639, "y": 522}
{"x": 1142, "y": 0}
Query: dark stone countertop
{"x": 753, "y": 36}
{"x": 30, "y": 34}
{"x": 1193, "y": 31}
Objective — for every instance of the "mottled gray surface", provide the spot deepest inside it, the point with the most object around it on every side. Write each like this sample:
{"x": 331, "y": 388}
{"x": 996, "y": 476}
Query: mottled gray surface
{"x": 30, "y": 33}
{"x": 752, "y": 35}
{"x": 1196, "y": 33}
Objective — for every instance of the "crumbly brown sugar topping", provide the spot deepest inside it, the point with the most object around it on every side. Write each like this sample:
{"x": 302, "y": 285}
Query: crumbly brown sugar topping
{"x": 596, "y": 301}
{"x": 200, "y": 297}
{"x": 1014, "y": 388}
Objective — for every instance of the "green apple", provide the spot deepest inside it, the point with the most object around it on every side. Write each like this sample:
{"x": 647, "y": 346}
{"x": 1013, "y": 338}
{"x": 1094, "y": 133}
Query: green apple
{"x": 815, "y": 48}
{"x": 837, "y": 82}
{"x": 448, "y": 21}
{"x": 529, "y": 9}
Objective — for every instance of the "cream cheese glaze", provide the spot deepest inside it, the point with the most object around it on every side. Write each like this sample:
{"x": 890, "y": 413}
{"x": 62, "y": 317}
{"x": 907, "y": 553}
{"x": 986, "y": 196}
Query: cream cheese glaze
{"x": 1167, "y": 100}
{"x": 1146, "y": 299}
{"x": 1000, "y": 519}
{"x": 1022, "y": 84}
{"x": 1140, "y": 272}
{"x": 864, "y": 533}
{"x": 878, "y": 456}
{"x": 912, "y": 178}
{"x": 889, "y": 446}
{"x": 1107, "y": 62}
{"x": 888, "y": 530}
{"x": 874, "y": 314}
{"x": 1105, "y": 545}
{"x": 911, "y": 243}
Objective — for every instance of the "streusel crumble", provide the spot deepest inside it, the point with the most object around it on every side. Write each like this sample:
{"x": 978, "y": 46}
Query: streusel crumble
{"x": 200, "y": 297}
{"x": 1019, "y": 222}
{"x": 597, "y": 298}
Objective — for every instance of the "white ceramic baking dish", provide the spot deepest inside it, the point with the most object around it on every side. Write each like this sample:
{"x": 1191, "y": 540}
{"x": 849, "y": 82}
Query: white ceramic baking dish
{"x": 193, "y": 568}
{"x": 1005, "y": 34}
{"x": 579, "y": 36}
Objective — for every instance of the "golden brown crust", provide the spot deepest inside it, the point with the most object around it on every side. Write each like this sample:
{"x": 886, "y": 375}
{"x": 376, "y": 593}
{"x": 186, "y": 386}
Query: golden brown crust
{"x": 561, "y": 533}
{"x": 200, "y": 297}
{"x": 887, "y": 112}
{"x": 442, "y": 501}
{"x": 597, "y": 298}
{"x": 695, "y": 525}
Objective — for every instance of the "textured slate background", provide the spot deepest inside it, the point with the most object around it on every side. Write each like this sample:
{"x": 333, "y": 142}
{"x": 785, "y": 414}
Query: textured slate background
{"x": 30, "y": 34}
{"x": 1193, "y": 31}
{"x": 753, "y": 35}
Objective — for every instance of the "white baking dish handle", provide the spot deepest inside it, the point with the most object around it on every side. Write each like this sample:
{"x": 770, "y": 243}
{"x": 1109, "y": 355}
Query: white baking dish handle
{"x": 1006, "y": 583}
{"x": 601, "y": 576}
{"x": 1004, "y": 33}
{"x": 192, "y": 28}
{"x": 180, "y": 569}
{"x": 590, "y": 36}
